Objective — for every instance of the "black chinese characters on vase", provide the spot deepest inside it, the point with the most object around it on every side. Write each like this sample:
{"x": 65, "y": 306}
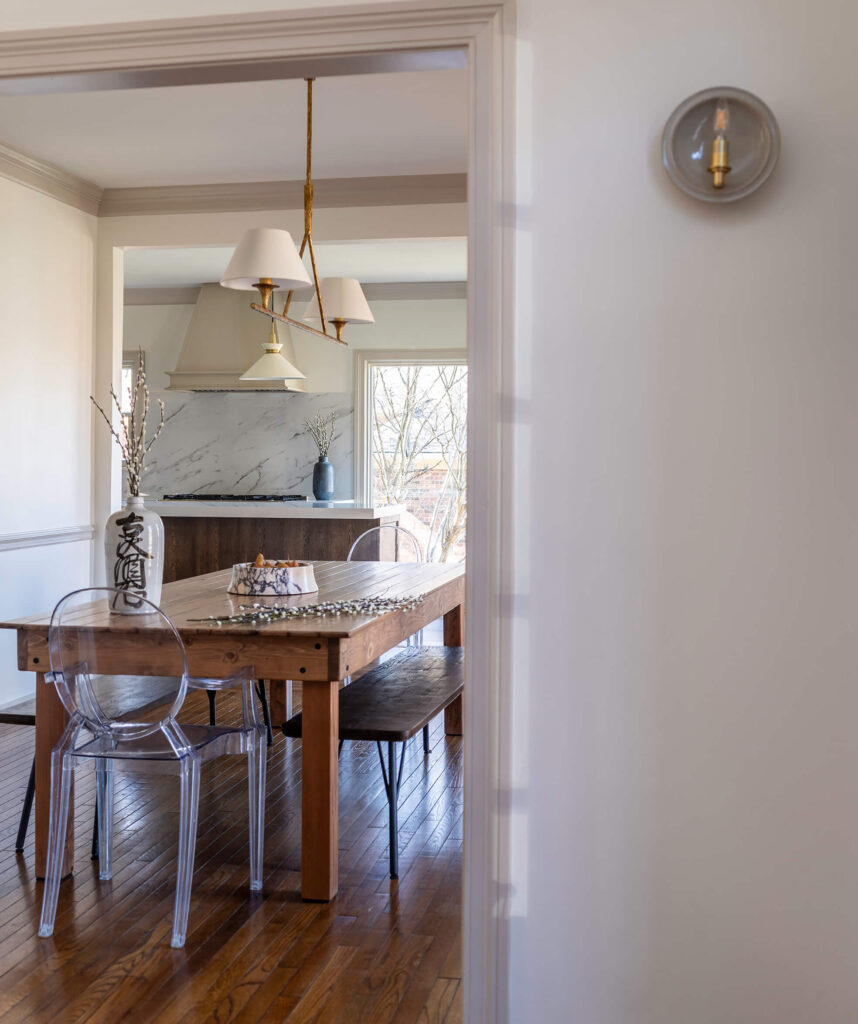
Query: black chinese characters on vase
{"x": 134, "y": 553}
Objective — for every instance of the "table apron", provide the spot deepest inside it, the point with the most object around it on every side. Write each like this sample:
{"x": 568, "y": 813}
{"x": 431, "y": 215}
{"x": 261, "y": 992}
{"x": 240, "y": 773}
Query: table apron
{"x": 215, "y": 656}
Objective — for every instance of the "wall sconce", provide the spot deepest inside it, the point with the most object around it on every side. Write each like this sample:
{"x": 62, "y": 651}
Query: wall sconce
{"x": 720, "y": 144}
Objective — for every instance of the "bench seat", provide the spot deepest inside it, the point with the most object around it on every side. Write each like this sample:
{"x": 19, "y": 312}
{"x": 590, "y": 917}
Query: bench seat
{"x": 392, "y": 703}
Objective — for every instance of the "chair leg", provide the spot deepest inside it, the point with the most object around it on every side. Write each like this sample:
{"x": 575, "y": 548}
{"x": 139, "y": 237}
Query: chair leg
{"x": 256, "y": 768}
{"x": 104, "y": 816}
{"x": 212, "y": 711}
{"x": 25, "y": 812}
{"x": 61, "y": 781}
{"x": 188, "y": 810}
{"x": 93, "y": 853}
{"x": 392, "y": 778}
{"x": 266, "y": 715}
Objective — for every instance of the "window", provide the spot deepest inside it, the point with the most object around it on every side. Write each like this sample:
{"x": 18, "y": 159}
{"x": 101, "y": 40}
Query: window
{"x": 129, "y": 369}
{"x": 412, "y": 436}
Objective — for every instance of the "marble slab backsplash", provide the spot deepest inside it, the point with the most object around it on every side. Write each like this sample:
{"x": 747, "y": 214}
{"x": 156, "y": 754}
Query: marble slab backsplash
{"x": 246, "y": 443}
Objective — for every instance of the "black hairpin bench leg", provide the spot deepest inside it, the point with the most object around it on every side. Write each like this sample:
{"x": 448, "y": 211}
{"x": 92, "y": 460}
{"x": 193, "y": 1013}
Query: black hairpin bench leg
{"x": 392, "y": 778}
{"x": 24, "y": 823}
{"x": 266, "y": 717}
{"x": 426, "y": 747}
{"x": 28, "y": 806}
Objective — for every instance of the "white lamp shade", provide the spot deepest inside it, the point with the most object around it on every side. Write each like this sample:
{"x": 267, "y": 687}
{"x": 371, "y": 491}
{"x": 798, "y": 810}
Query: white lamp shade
{"x": 273, "y": 366}
{"x": 342, "y": 299}
{"x": 265, "y": 252}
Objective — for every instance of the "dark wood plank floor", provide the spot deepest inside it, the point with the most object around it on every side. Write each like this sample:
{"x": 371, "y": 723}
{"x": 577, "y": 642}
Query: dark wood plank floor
{"x": 383, "y": 951}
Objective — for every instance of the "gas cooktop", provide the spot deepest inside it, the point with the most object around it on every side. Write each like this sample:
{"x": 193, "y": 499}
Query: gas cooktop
{"x": 235, "y": 497}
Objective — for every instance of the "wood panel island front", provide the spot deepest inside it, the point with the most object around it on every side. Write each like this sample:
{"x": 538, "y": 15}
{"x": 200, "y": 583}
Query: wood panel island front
{"x": 205, "y": 536}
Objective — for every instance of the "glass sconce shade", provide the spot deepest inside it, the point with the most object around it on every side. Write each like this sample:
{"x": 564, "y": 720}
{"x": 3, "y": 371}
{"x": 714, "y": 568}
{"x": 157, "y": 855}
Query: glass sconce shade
{"x": 720, "y": 145}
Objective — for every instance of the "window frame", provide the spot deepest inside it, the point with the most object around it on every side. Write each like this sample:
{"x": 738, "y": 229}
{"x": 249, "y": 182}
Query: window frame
{"x": 130, "y": 359}
{"x": 366, "y": 360}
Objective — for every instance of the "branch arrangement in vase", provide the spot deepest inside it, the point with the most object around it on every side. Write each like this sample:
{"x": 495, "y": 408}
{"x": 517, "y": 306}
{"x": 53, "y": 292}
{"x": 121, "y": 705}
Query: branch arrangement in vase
{"x": 131, "y": 436}
{"x": 321, "y": 429}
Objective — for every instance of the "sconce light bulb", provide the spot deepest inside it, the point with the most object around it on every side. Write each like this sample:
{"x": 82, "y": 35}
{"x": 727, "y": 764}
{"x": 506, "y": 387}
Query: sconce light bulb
{"x": 721, "y": 122}
{"x": 719, "y": 166}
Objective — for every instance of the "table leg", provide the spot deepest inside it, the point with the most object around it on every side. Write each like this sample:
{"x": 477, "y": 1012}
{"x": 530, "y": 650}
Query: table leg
{"x": 319, "y": 790}
{"x": 454, "y": 636}
{"x": 279, "y": 701}
{"x": 51, "y": 720}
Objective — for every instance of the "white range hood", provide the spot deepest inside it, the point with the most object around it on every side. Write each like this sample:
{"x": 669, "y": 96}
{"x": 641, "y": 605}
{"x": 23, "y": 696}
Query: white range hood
{"x": 224, "y": 338}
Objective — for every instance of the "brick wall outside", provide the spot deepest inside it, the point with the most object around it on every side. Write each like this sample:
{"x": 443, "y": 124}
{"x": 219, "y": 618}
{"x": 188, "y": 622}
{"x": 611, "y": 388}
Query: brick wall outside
{"x": 420, "y": 503}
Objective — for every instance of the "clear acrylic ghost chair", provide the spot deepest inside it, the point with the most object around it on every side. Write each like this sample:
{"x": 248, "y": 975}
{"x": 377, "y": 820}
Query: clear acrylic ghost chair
{"x": 86, "y": 666}
{"x": 390, "y": 543}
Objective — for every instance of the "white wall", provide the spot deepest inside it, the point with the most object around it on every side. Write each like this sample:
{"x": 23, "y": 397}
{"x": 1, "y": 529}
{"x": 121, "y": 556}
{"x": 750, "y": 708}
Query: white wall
{"x": 47, "y": 279}
{"x": 687, "y": 804}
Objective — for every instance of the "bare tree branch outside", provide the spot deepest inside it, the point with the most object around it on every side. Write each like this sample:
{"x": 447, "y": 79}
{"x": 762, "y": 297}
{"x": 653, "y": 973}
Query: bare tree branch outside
{"x": 419, "y": 434}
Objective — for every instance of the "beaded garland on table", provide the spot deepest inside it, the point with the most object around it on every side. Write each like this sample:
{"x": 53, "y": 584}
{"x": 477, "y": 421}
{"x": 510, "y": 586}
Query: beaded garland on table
{"x": 259, "y": 614}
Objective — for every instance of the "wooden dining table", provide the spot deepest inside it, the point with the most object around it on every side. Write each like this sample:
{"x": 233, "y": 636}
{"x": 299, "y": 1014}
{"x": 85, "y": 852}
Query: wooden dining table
{"x": 317, "y": 651}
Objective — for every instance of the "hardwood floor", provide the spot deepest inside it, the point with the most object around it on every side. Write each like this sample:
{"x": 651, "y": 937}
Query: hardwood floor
{"x": 382, "y": 951}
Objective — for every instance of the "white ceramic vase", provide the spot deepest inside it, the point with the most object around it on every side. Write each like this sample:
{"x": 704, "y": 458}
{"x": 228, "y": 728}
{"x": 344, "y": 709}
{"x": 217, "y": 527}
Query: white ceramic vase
{"x": 134, "y": 553}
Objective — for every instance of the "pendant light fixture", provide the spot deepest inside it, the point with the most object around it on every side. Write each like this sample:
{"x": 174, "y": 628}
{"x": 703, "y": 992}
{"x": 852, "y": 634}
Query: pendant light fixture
{"x": 266, "y": 259}
{"x": 273, "y": 365}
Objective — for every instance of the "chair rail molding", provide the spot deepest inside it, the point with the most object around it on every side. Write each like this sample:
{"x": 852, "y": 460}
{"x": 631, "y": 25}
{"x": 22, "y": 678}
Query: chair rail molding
{"x": 357, "y": 38}
{"x": 42, "y": 538}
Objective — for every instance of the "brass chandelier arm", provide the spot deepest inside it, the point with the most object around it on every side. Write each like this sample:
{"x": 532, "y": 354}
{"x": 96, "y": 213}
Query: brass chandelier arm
{"x": 283, "y": 319}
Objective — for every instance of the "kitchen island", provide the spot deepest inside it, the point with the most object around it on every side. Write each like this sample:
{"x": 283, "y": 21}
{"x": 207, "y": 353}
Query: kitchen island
{"x": 204, "y": 536}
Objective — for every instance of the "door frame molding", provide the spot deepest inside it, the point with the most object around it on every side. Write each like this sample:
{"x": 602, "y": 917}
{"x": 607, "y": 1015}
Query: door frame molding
{"x": 487, "y": 32}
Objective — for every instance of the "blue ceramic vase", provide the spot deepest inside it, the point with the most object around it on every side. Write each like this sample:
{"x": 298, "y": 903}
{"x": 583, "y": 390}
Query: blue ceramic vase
{"x": 323, "y": 479}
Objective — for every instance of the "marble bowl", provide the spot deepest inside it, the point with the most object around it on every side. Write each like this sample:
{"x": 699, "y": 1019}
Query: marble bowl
{"x": 270, "y": 581}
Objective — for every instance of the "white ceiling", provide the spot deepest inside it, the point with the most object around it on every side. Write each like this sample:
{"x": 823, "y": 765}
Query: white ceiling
{"x": 394, "y": 260}
{"x": 364, "y": 125}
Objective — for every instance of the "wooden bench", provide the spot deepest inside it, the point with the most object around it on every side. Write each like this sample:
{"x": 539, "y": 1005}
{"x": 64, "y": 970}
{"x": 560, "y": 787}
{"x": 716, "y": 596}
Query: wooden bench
{"x": 392, "y": 703}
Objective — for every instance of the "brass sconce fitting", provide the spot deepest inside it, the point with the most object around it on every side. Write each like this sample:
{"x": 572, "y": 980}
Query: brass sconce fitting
{"x": 719, "y": 166}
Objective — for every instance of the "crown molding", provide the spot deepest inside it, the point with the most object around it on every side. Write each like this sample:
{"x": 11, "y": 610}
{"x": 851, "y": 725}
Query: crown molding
{"x": 394, "y": 291}
{"x": 161, "y": 296}
{"x": 49, "y": 179}
{"x": 235, "y": 197}
{"x": 389, "y": 291}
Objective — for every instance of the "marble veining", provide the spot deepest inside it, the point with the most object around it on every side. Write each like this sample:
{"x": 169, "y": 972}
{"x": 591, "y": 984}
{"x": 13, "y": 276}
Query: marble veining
{"x": 246, "y": 443}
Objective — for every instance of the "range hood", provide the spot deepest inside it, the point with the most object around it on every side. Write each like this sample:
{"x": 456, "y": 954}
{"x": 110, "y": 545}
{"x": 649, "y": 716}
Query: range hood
{"x": 224, "y": 338}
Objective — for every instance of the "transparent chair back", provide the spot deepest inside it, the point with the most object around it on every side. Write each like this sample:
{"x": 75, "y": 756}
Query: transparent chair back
{"x": 90, "y": 669}
{"x": 386, "y": 544}
{"x": 95, "y": 675}
{"x": 390, "y": 543}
